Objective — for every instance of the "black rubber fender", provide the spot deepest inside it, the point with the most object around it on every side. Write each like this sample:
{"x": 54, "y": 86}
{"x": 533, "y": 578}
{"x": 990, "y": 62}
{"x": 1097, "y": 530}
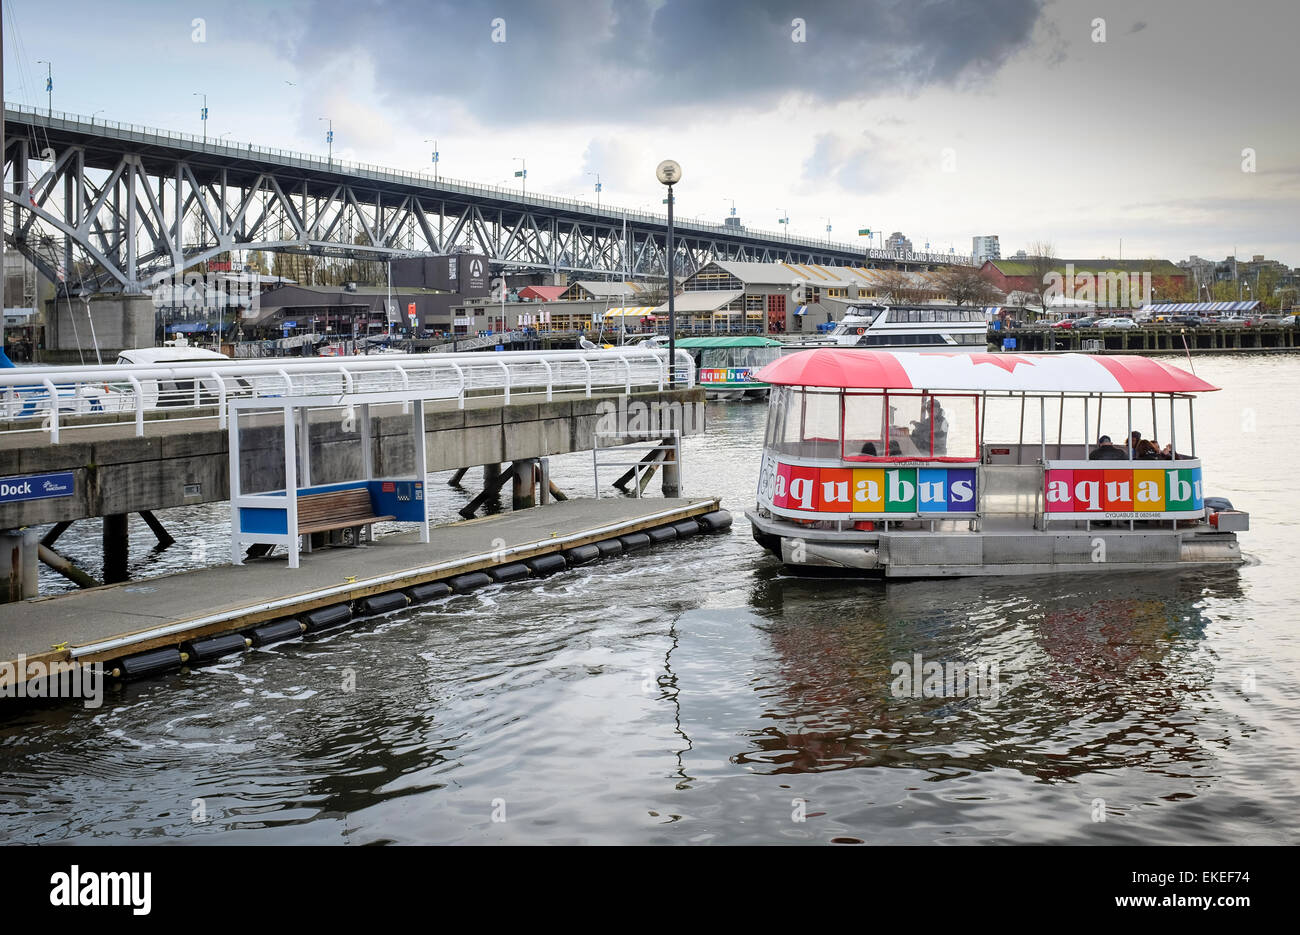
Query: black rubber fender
{"x": 582, "y": 554}
{"x": 546, "y": 564}
{"x": 422, "y": 593}
{"x": 686, "y": 528}
{"x": 661, "y": 534}
{"x": 717, "y": 521}
{"x": 634, "y": 540}
{"x": 609, "y": 547}
{"x": 216, "y": 647}
{"x": 463, "y": 584}
{"x": 151, "y": 663}
{"x": 276, "y": 631}
{"x": 322, "y": 618}
{"x": 381, "y": 603}
{"x": 515, "y": 571}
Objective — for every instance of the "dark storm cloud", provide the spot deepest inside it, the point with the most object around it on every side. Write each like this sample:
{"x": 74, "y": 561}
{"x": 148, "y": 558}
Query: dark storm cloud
{"x": 626, "y": 58}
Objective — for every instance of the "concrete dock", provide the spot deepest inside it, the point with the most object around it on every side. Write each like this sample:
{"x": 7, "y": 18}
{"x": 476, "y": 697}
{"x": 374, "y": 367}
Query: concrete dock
{"x": 109, "y": 623}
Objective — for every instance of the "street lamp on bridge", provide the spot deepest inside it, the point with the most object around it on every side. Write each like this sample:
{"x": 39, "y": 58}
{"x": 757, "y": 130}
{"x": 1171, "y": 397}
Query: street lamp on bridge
{"x": 49, "y": 84}
{"x": 203, "y": 115}
{"x": 329, "y": 137}
{"x": 670, "y": 173}
{"x": 435, "y": 160}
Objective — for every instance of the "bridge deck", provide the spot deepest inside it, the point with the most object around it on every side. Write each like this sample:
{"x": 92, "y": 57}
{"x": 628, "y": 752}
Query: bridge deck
{"x": 130, "y": 613}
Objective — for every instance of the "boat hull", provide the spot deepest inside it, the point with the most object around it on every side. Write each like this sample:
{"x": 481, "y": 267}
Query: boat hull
{"x": 961, "y": 552}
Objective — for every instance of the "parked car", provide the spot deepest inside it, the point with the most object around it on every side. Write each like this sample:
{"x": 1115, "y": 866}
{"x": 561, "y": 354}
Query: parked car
{"x": 1185, "y": 320}
{"x": 1270, "y": 319}
{"x": 1122, "y": 323}
{"x": 1232, "y": 320}
{"x": 1085, "y": 321}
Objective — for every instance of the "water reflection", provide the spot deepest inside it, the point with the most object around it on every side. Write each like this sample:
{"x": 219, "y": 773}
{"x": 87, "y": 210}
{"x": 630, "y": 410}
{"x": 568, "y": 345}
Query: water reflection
{"x": 1083, "y": 681}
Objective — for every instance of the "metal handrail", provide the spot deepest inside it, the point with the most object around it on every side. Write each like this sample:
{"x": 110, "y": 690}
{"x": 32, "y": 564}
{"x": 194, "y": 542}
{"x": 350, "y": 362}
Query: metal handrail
{"x": 29, "y": 394}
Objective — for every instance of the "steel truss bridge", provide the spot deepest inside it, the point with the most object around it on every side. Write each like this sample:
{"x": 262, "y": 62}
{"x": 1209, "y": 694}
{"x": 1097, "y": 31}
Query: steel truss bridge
{"x": 106, "y": 206}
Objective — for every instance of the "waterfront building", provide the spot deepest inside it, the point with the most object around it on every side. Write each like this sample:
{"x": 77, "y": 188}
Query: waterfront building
{"x": 788, "y": 298}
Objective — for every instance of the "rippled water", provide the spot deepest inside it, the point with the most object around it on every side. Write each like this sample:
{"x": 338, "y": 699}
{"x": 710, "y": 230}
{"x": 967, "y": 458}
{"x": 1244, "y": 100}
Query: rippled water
{"x": 696, "y": 694}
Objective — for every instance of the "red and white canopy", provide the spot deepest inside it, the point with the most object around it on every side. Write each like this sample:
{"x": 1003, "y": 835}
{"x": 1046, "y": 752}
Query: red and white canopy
{"x": 924, "y": 370}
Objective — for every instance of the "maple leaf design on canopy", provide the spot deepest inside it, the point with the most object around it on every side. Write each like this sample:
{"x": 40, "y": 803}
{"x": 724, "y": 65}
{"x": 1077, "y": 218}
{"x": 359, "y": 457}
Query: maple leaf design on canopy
{"x": 1007, "y": 362}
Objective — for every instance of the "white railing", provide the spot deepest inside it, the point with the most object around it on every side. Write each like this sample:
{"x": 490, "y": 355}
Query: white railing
{"x": 241, "y": 150}
{"x": 55, "y": 399}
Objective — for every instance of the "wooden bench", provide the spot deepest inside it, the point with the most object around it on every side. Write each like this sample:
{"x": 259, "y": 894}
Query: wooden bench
{"x": 334, "y": 510}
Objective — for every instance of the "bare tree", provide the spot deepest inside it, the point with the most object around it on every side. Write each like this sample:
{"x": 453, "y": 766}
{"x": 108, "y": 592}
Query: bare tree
{"x": 894, "y": 285}
{"x": 968, "y": 285}
{"x": 1041, "y": 264}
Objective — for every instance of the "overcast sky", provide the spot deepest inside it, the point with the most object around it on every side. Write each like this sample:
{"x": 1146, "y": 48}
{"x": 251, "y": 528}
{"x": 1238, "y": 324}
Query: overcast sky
{"x": 939, "y": 118}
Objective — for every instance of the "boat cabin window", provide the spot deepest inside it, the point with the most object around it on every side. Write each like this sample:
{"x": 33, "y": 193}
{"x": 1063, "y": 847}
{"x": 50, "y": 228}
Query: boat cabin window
{"x": 910, "y": 425}
{"x": 804, "y": 423}
{"x": 752, "y": 357}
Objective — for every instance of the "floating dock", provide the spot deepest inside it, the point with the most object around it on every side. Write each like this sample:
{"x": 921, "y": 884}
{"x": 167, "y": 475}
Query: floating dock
{"x": 157, "y": 624}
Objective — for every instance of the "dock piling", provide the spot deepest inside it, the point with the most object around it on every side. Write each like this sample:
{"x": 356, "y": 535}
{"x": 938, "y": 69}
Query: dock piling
{"x": 64, "y": 566}
{"x": 18, "y": 572}
{"x": 493, "y": 480}
{"x": 164, "y": 537}
{"x": 672, "y": 470}
{"x": 52, "y": 536}
{"x": 525, "y": 484}
{"x": 116, "y": 540}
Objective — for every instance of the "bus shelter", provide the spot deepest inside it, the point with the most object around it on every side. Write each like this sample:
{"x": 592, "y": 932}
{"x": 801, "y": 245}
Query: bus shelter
{"x": 275, "y": 517}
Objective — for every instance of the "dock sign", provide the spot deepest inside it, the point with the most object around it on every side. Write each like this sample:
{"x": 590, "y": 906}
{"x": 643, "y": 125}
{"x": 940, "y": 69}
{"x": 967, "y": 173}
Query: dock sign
{"x": 37, "y": 487}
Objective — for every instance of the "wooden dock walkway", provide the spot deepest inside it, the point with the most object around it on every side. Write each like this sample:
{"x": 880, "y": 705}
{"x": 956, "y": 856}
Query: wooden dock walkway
{"x": 110, "y": 623}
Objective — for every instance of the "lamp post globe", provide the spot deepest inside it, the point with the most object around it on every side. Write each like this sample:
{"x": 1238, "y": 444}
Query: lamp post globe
{"x": 670, "y": 173}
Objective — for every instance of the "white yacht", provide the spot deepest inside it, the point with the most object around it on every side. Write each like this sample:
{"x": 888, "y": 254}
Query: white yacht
{"x": 908, "y": 328}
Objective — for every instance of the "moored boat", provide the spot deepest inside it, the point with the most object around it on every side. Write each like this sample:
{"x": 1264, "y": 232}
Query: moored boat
{"x": 906, "y": 328}
{"x": 725, "y": 365}
{"x": 919, "y": 465}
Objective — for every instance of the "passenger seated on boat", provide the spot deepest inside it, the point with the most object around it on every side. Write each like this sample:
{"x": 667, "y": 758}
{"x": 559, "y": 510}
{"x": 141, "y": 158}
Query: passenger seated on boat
{"x": 1105, "y": 451}
{"x": 1146, "y": 451}
{"x": 921, "y": 430}
{"x": 869, "y": 449}
{"x": 895, "y": 449}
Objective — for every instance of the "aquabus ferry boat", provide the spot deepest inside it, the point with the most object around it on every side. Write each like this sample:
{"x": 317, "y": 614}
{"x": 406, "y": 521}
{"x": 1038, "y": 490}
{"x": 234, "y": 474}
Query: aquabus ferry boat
{"x": 917, "y": 465}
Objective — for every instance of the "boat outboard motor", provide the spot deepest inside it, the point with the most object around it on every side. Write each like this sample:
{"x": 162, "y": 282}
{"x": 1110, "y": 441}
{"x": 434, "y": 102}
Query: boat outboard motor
{"x": 1218, "y": 504}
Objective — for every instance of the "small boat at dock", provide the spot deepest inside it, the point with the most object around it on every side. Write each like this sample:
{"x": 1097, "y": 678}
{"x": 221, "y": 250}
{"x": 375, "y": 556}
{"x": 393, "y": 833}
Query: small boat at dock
{"x": 922, "y": 465}
{"x": 725, "y": 365}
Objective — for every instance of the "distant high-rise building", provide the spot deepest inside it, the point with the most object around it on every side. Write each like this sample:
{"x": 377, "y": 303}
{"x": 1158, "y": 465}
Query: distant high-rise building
{"x": 985, "y": 247}
{"x": 897, "y": 241}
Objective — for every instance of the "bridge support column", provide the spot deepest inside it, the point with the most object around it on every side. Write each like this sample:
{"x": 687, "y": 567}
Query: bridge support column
{"x": 19, "y": 577}
{"x": 116, "y": 547}
{"x": 491, "y": 475}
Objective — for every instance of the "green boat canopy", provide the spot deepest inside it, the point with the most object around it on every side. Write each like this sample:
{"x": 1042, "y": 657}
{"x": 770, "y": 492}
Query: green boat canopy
{"x": 743, "y": 341}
